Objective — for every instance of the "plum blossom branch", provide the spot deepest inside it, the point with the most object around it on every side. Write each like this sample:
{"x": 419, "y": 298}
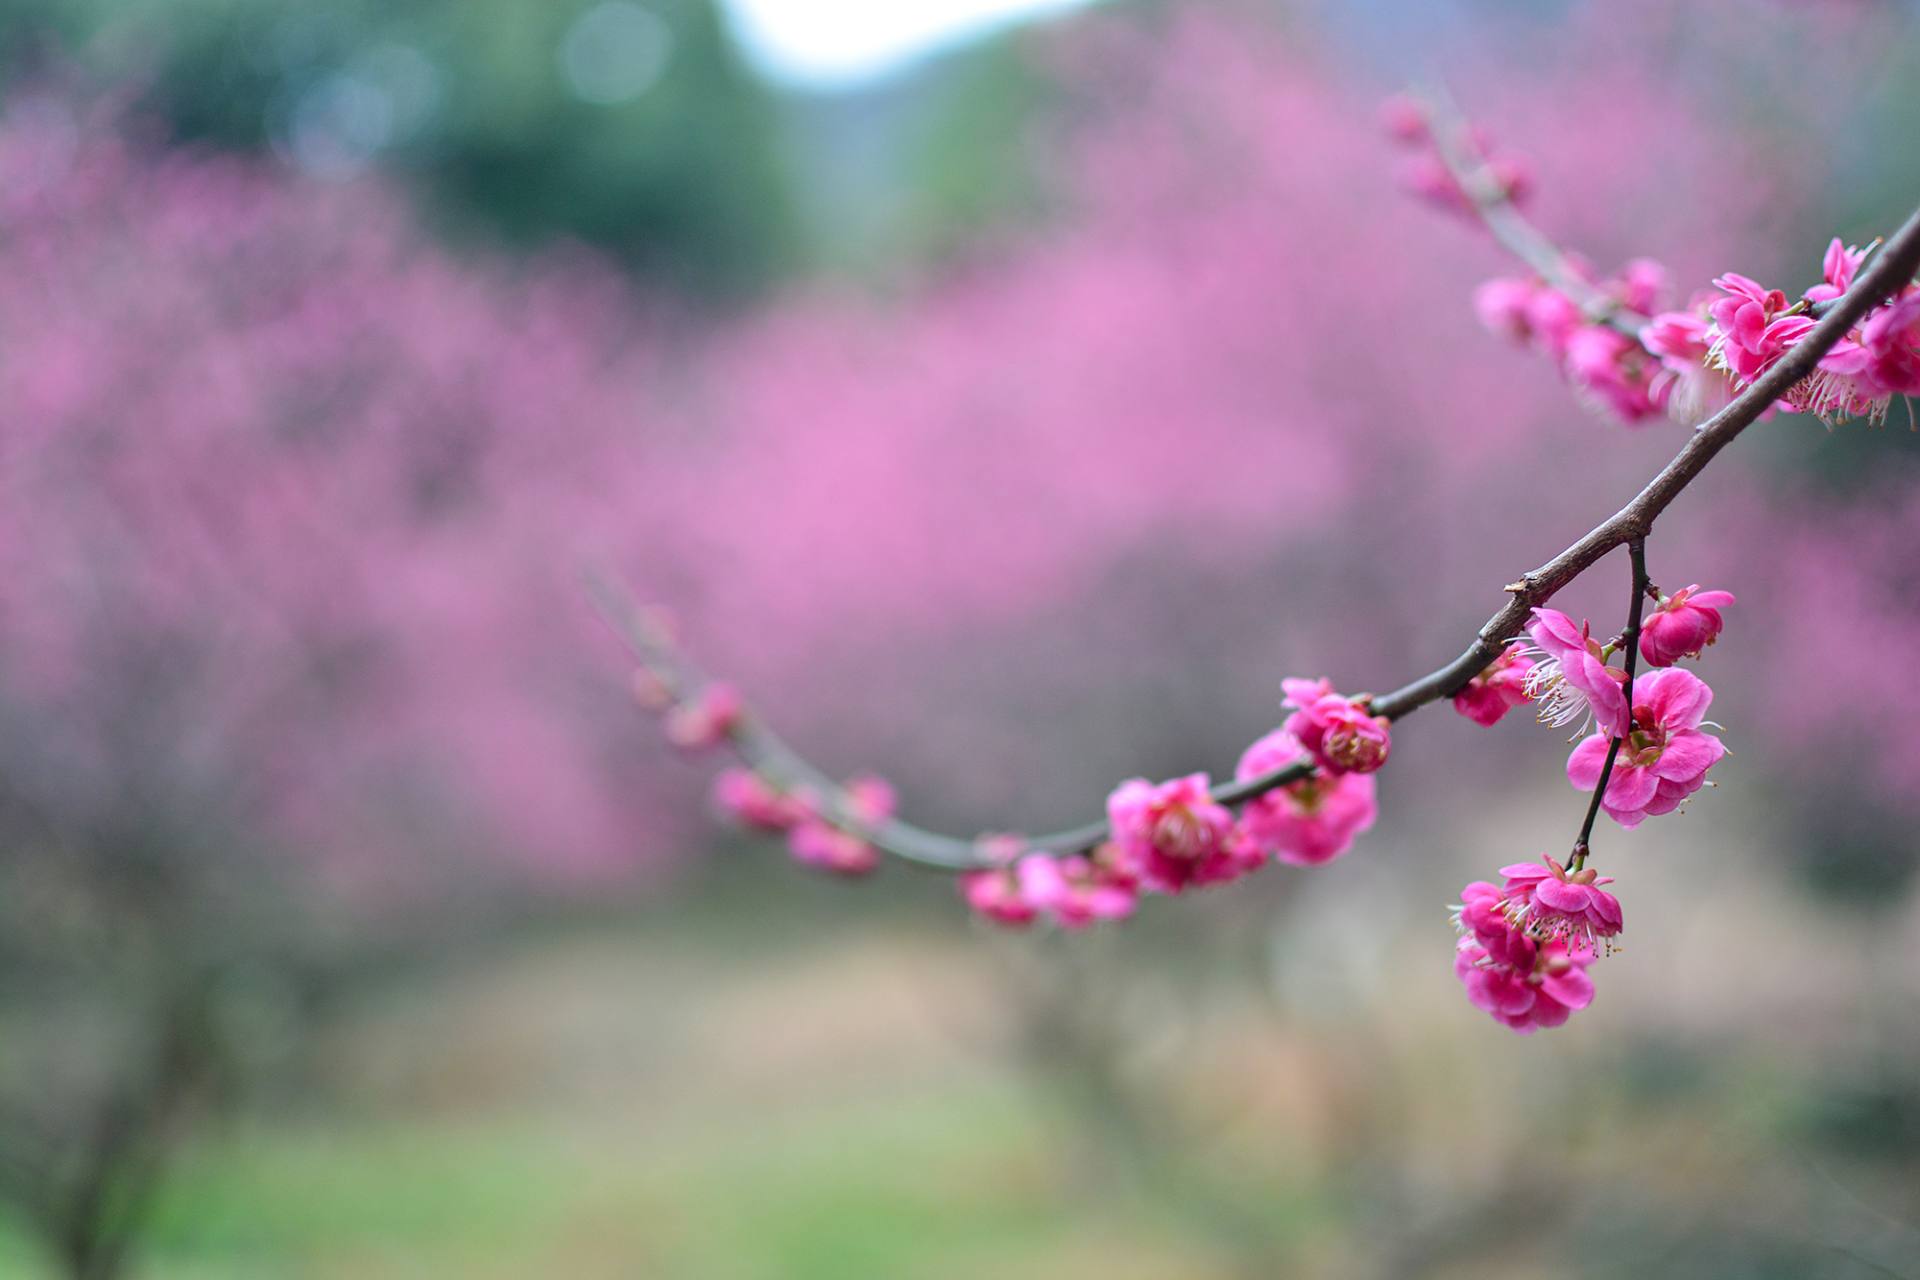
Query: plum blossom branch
{"x": 1630, "y": 641}
{"x": 1492, "y": 201}
{"x": 1891, "y": 270}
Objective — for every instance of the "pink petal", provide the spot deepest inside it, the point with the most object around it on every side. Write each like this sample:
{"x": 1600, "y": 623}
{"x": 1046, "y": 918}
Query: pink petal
{"x": 1678, "y": 699}
{"x": 1631, "y": 788}
{"x": 1569, "y": 898}
{"x": 1584, "y": 765}
{"x": 1688, "y": 754}
{"x": 1574, "y": 988}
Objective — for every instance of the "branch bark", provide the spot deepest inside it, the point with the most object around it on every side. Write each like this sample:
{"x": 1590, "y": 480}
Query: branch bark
{"x": 1636, "y": 609}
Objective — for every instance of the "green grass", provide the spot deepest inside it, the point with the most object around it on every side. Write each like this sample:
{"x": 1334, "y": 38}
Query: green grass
{"x": 936, "y": 1185}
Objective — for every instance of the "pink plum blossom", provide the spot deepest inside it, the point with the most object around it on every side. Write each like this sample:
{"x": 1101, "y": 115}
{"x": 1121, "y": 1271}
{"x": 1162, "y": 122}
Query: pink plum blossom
{"x": 1175, "y": 832}
{"x": 1858, "y": 377}
{"x": 1524, "y": 983}
{"x": 869, "y": 799}
{"x": 1750, "y": 334}
{"x": 1340, "y": 735}
{"x": 706, "y": 719}
{"x": 1500, "y": 688}
{"x": 1691, "y": 389}
{"x": 1571, "y": 679}
{"x": 1684, "y": 623}
{"x": 1554, "y": 318}
{"x": 1663, "y": 760}
{"x": 1613, "y": 370}
{"x": 1549, "y": 902}
{"x": 817, "y": 843}
{"x": 1504, "y": 306}
{"x": 1837, "y": 271}
{"x": 1404, "y": 119}
{"x": 1000, "y": 894}
{"x": 1640, "y": 285}
{"x": 748, "y": 798}
{"x": 1305, "y": 823}
{"x": 1891, "y": 337}
{"x": 1080, "y": 890}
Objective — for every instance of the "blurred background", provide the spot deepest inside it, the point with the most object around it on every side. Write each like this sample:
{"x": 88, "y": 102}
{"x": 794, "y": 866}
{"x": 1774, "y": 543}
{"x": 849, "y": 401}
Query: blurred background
{"x": 1004, "y": 393}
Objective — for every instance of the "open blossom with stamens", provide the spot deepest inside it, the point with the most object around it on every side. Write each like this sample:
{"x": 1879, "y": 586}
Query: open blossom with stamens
{"x": 706, "y": 719}
{"x": 1858, "y": 376}
{"x": 1570, "y": 678}
{"x": 1522, "y": 982}
{"x": 1877, "y": 360}
{"x": 1497, "y": 690}
{"x": 752, "y": 801}
{"x": 1549, "y": 902}
{"x": 1684, "y": 623}
{"x": 1305, "y": 823}
{"x": 1340, "y": 735}
{"x": 1174, "y": 832}
{"x": 1663, "y": 760}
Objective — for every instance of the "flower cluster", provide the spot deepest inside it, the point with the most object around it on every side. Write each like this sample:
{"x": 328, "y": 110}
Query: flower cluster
{"x": 1690, "y": 363}
{"x": 1605, "y": 363}
{"x": 1751, "y": 327}
{"x": 1521, "y": 973}
{"x": 1168, "y": 837}
{"x": 1073, "y": 892}
{"x": 1663, "y": 756}
{"x": 1619, "y": 350}
{"x": 1525, "y": 945}
{"x": 819, "y": 835}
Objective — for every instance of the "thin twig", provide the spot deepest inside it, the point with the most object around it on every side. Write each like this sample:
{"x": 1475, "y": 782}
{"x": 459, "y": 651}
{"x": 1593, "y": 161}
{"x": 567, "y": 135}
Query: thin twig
{"x": 1893, "y": 268}
{"x": 1636, "y": 608}
{"x": 1453, "y": 142}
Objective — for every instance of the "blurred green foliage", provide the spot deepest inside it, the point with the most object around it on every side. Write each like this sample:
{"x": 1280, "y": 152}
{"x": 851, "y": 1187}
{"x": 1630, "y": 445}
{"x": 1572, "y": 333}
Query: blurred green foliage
{"x": 633, "y": 126}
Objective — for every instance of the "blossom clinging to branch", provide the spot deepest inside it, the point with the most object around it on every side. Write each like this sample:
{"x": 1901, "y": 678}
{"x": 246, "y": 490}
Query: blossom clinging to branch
{"x": 1663, "y": 760}
{"x": 1685, "y": 623}
{"x": 1525, "y": 983}
{"x": 1309, "y": 822}
{"x": 1497, "y": 690}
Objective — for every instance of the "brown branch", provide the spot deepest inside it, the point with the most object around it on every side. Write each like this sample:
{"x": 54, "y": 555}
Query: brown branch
{"x": 1636, "y": 609}
{"x": 1893, "y": 268}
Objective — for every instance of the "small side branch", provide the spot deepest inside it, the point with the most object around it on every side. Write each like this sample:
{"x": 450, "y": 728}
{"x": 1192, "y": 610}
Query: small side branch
{"x": 1453, "y": 142}
{"x": 1636, "y": 609}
